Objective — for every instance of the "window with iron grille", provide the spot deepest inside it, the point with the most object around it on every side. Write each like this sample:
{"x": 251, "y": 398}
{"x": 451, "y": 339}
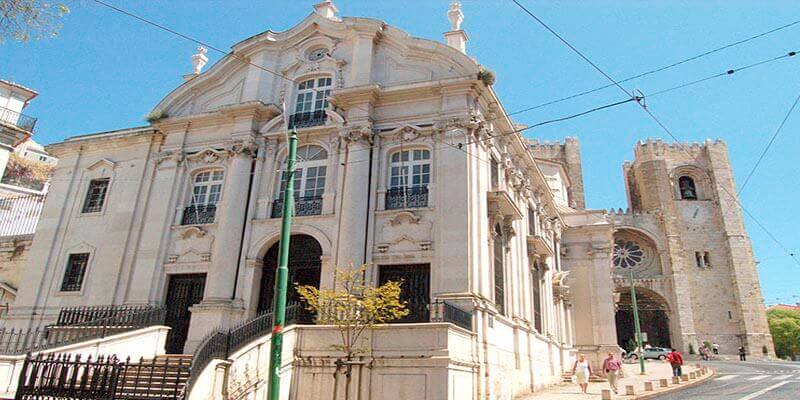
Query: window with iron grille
{"x": 309, "y": 182}
{"x": 311, "y": 102}
{"x": 206, "y": 192}
{"x": 409, "y": 177}
{"x": 537, "y": 296}
{"x": 96, "y": 195}
{"x": 499, "y": 270}
{"x": 76, "y": 269}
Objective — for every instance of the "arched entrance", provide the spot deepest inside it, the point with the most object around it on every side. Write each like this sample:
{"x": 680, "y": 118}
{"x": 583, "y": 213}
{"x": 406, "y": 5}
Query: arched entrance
{"x": 653, "y": 318}
{"x": 305, "y": 262}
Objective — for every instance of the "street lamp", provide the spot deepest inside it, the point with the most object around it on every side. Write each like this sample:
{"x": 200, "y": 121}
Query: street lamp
{"x": 636, "y": 325}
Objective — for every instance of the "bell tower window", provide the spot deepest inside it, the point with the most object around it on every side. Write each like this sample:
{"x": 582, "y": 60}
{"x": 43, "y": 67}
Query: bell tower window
{"x": 687, "y": 188}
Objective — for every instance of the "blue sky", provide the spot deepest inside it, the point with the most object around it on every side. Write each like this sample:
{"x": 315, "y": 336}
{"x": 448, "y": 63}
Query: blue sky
{"x": 106, "y": 71}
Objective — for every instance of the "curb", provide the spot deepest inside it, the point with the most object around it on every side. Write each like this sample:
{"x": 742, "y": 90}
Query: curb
{"x": 671, "y": 389}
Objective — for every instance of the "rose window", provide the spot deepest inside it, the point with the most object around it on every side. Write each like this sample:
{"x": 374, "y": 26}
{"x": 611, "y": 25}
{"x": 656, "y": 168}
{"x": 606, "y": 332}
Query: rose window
{"x": 317, "y": 54}
{"x": 627, "y": 254}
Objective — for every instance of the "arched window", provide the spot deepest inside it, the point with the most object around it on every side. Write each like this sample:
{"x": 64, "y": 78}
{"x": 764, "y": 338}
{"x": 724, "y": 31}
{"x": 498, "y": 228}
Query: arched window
{"x": 499, "y": 269}
{"x": 206, "y": 192}
{"x": 309, "y": 182}
{"x": 312, "y": 99}
{"x": 409, "y": 176}
{"x": 687, "y": 188}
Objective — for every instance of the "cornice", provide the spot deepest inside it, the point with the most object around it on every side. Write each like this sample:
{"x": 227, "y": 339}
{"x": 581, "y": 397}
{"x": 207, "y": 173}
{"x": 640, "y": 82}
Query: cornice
{"x": 225, "y": 114}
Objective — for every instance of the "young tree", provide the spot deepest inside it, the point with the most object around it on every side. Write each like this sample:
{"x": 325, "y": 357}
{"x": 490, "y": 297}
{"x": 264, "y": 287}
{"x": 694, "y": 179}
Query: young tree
{"x": 23, "y": 20}
{"x": 784, "y": 325}
{"x": 353, "y": 307}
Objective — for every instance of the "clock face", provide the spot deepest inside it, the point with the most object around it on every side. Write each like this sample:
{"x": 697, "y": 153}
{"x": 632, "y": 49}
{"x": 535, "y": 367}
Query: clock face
{"x": 695, "y": 214}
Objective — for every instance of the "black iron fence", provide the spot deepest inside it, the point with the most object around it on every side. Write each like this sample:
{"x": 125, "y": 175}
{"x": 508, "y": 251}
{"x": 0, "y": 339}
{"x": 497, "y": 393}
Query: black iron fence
{"x": 19, "y": 215}
{"x": 220, "y": 344}
{"x": 199, "y": 214}
{"x": 407, "y": 197}
{"x": 21, "y": 341}
{"x": 67, "y": 376}
{"x": 92, "y": 315}
{"x": 311, "y": 205}
{"x": 446, "y": 312}
{"x": 307, "y": 119}
{"x": 20, "y": 120}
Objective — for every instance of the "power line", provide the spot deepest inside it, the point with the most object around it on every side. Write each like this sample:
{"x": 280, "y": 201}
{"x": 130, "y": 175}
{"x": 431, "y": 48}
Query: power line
{"x": 656, "y": 70}
{"x": 658, "y": 122}
{"x": 769, "y": 144}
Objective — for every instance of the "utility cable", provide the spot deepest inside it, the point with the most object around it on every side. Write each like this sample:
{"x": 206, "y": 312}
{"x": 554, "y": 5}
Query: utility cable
{"x": 658, "y": 122}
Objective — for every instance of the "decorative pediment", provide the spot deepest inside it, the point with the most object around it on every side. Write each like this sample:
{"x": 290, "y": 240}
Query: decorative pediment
{"x": 406, "y": 133}
{"x": 103, "y": 163}
{"x": 208, "y": 156}
{"x": 191, "y": 244}
{"x": 405, "y": 231}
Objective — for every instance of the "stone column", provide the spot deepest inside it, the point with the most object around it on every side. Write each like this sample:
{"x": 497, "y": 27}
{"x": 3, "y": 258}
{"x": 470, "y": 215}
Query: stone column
{"x": 353, "y": 203}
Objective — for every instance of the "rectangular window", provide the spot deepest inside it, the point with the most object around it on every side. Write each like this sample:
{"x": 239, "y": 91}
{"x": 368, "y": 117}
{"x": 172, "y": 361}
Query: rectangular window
{"x": 495, "y": 174}
{"x": 537, "y": 297}
{"x": 701, "y": 257}
{"x": 96, "y": 195}
{"x": 531, "y": 221}
{"x": 499, "y": 274}
{"x": 76, "y": 269}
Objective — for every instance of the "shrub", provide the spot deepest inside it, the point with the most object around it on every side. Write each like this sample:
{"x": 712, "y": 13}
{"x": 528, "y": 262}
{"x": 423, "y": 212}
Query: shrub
{"x": 26, "y": 173}
{"x": 486, "y": 76}
{"x": 156, "y": 115}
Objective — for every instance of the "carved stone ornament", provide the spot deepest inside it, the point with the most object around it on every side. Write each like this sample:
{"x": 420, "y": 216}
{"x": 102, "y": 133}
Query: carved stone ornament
{"x": 208, "y": 156}
{"x": 405, "y": 231}
{"x": 168, "y": 155}
{"x": 247, "y": 146}
{"x": 362, "y": 133}
{"x": 190, "y": 244}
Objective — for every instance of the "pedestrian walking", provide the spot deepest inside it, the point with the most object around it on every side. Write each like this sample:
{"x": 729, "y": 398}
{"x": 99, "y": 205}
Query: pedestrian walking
{"x": 715, "y": 348}
{"x": 582, "y": 371}
{"x": 742, "y": 354}
{"x": 675, "y": 359}
{"x": 612, "y": 369}
{"x": 703, "y": 353}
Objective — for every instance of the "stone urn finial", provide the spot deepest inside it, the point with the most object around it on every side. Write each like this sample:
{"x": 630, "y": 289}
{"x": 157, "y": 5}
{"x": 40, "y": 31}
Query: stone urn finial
{"x": 199, "y": 60}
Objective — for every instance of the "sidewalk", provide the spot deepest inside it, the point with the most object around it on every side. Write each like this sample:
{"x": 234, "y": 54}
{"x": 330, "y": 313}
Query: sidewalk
{"x": 655, "y": 370}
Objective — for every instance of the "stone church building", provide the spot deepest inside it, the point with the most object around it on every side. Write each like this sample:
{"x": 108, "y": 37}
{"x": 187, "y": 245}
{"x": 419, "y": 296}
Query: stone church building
{"x": 408, "y": 163}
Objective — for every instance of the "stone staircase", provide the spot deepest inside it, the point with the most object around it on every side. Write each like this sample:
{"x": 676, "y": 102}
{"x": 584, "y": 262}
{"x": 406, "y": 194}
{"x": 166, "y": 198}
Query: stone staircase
{"x": 163, "y": 377}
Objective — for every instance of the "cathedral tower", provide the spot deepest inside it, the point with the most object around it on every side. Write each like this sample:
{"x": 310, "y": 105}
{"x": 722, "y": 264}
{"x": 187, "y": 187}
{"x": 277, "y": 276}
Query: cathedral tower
{"x": 688, "y": 194}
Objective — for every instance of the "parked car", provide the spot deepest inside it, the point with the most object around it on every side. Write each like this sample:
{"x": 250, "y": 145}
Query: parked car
{"x": 653, "y": 353}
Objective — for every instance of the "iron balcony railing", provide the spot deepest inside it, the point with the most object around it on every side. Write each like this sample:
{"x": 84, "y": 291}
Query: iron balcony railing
{"x": 21, "y": 121}
{"x": 220, "y": 344}
{"x": 21, "y": 341}
{"x": 93, "y": 315}
{"x": 69, "y": 376}
{"x": 446, "y": 312}
{"x": 199, "y": 214}
{"x": 307, "y": 119}
{"x": 20, "y": 215}
{"x": 303, "y": 206}
{"x": 407, "y": 197}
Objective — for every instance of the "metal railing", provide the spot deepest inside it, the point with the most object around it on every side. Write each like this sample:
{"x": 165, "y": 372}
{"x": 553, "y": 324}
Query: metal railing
{"x": 20, "y": 215}
{"x": 20, "y": 120}
{"x": 92, "y": 315}
{"x": 67, "y": 376}
{"x": 407, "y": 197}
{"x": 446, "y": 312}
{"x": 199, "y": 214}
{"x": 307, "y": 119}
{"x": 21, "y": 341}
{"x": 303, "y": 206}
{"x": 220, "y": 344}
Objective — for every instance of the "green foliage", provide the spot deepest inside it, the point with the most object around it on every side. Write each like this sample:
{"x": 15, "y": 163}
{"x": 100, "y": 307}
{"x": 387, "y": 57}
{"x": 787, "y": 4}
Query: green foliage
{"x": 631, "y": 344}
{"x": 785, "y": 328}
{"x": 486, "y": 76}
{"x": 707, "y": 345}
{"x": 26, "y": 173}
{"x": 354, "y": 306}
{"x": 24, "y": 20}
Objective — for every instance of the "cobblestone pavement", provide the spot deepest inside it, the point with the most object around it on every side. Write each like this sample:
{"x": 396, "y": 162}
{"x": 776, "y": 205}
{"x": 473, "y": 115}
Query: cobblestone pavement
{"x": 752, "y": 380}
{"x": 655, "y": 370}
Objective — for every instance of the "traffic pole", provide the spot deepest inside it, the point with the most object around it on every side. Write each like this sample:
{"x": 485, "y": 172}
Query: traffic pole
{"x": 636, "y": 325}
{"x": 282, "y": 275}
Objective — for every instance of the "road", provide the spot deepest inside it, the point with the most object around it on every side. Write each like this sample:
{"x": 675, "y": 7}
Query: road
{"x": 735, "y": 380}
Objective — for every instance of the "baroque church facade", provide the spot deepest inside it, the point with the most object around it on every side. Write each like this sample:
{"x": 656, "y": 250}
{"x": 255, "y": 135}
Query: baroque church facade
{"x": 409, "y": 165}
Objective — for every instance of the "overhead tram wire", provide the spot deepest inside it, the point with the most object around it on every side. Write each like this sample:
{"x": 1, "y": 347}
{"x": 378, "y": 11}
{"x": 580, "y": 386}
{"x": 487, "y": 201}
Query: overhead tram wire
{"x": 282, "y": 76}
{"x": 658, "y": 122}
{"x": 769, "y": 144}
{"x": 656, "y": 70}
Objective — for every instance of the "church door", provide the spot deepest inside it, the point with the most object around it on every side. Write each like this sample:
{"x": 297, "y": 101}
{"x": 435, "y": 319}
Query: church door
{"x": 183, "y": 291}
